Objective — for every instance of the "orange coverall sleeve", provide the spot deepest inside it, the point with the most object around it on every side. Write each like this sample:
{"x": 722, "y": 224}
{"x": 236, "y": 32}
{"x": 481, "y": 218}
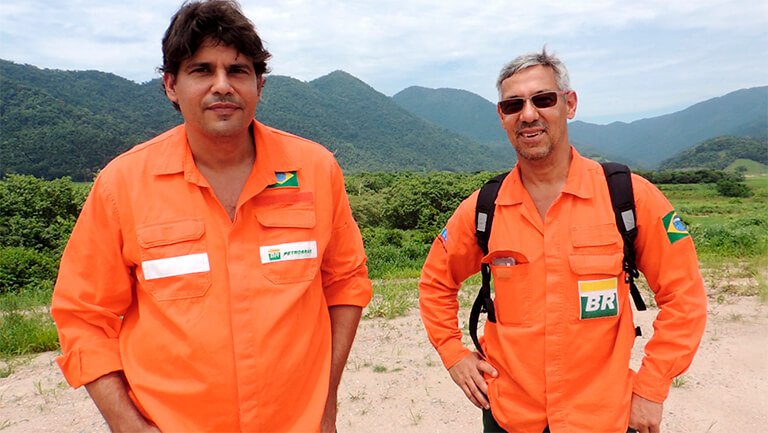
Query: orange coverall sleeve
{"x": 92, "y": 292}
{"x": 344, "y": 270}
{"x": 453, "y": 258}
{"x": 672, "y": 272}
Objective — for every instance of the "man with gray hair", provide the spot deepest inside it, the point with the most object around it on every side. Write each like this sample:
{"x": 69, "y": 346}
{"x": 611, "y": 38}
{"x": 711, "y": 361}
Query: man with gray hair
{"x": 556, "y": 356}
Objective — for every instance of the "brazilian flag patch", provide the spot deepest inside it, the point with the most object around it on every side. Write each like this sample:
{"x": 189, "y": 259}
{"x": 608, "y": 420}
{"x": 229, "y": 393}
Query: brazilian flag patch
{"x": 674, "y": 227}
{"x": 285, "y": 179}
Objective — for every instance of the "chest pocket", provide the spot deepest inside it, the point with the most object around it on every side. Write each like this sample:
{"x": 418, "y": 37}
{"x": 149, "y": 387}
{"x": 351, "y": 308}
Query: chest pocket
{"x": 513, "y": 285}
{"x": 596, "y": 265}
{"x": 174, "y": 259}
{"x": 288, "y": 243}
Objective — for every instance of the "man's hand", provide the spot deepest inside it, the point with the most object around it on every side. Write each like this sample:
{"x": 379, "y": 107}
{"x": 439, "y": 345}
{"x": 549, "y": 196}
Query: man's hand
{"x": 344, "y": 320}
{"x": 645, "y": 415}
{"x": 110, "y": 394}
{"x": 468, "y": 374}
{"x": 328, "y": 422}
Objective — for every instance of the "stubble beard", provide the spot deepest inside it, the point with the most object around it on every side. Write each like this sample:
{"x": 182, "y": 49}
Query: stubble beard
{"x": 534, "y": 153}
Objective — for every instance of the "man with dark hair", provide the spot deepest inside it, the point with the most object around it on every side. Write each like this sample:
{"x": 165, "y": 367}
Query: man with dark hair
{"x": 557, "y": 355}
{"x": 215, "y": 278}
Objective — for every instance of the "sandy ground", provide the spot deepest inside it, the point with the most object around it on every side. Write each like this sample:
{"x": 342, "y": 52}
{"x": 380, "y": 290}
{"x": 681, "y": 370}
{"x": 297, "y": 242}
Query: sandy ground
{"x": 394, "y": 382}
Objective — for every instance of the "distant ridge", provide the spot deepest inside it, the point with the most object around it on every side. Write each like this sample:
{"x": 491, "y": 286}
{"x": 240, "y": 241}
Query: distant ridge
{"x": 55, "y": 123}
{"x": 648, "y": 142}
{"x": 458, "y": 110}
{"x": 719, "y": 153}
{"x": 644, "y": 143}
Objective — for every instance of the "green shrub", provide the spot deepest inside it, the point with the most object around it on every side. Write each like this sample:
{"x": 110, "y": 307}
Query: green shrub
{"x": 395, "y": 253}
{"x": 740, "y": 238}
{"x": 23, "y": 267}
{"x": 38, "y": 214}
{"x": 367, "y": 209}
{"x": 733, "y": 188}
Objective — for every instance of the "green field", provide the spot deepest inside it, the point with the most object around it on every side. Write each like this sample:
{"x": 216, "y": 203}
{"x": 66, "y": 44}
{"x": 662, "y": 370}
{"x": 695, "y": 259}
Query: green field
{"x": 399, "y": 215}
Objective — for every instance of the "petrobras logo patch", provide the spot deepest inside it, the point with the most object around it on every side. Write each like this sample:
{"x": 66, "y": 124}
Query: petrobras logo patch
{"x": 289, "y": 251}
{"x": 599, "y": 298}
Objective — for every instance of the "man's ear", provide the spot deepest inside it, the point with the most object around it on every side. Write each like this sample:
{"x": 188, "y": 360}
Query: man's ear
{"x": 571, "y": 101}
{"x": 169, "y": 84}
{"x": 260, "y": 81}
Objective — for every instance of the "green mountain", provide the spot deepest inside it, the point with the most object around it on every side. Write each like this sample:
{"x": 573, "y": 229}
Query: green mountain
{"x": 367, "y": 130}
{"x": 648, "y": 142}
{"x": 643, "y": 143}
{"x": 719, "y": 153}
{"x": 66, "y": 123}
{"x": 460, "y": 111}
{"x": 55, "y": 123}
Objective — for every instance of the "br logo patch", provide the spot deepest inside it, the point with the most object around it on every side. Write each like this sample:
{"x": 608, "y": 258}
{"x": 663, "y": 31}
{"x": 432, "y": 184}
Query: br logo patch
{"x": 674, "y": 227}
{"x": 599, "y": 298}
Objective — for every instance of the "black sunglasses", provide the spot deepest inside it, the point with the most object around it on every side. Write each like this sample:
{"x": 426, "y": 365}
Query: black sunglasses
{"x": 539, "y": 100}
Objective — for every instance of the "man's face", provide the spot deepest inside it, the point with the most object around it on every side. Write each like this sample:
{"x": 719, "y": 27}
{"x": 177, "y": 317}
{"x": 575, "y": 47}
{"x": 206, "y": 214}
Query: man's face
{"x": 536, "y": 132}
{"x": 217, "y": 91}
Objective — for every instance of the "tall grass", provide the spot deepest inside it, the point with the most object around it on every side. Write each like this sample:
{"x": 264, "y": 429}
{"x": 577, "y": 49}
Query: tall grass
{"x": 25, "y": 323}
{"x": 724, "y": 227}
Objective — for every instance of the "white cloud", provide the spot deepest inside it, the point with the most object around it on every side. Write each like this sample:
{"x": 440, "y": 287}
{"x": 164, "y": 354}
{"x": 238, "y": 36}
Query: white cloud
{"x": 664, "y": 53}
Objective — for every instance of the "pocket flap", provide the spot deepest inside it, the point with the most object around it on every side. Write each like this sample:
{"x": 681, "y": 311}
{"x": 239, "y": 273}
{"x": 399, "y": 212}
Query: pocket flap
{"x": 170, "y": 233}
{"x": 585, "y": 264}
{"x": 594, "y": 235}
{"x": 288, "y": 217}
{"x": 504, "y": 255}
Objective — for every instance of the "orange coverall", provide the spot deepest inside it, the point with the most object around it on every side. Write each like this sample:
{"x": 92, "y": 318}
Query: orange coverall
{"x": 564, "y": 330}
{"x": 218, "y": 325}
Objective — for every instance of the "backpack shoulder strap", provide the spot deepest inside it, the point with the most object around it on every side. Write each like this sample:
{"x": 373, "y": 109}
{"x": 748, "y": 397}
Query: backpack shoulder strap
{"x": 486, "y": 204}
{"x": 484, "y": 209}
{"x": 619, "y": 179}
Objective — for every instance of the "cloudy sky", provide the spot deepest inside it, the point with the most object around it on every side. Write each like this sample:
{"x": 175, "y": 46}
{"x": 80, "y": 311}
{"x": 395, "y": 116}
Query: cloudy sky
{"x": 627, "y": 59}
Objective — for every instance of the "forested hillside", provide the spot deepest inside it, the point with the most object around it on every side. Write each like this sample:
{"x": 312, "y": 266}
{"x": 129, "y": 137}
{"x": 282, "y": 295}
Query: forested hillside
{"x": 367, "y": 130}
{"x": 644, "y": 143}
{"x": 720, "y": 152}
{"x": 55, "y": 123}
{"x": 648, "y": 142}
{"x": 458, "y": 110}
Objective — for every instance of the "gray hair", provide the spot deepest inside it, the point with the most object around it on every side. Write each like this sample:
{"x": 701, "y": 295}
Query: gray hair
{"x": 533, "y": 59}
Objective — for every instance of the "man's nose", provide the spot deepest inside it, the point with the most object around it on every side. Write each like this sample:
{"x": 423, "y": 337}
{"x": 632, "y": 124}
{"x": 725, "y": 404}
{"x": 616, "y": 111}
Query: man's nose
{"x": 529, "y": 112}
{"x": 221, "y": 83}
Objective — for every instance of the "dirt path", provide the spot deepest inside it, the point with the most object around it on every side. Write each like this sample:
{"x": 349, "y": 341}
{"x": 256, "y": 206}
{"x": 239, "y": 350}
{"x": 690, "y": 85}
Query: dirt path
{"x": 394, "y": 382}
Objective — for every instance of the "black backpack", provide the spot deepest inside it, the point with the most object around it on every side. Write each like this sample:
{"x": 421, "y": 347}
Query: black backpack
{"x": 619, "y": 181}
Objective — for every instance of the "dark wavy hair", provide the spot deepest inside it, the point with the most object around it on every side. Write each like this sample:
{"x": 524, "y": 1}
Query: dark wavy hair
{"x": 218, "y": 21}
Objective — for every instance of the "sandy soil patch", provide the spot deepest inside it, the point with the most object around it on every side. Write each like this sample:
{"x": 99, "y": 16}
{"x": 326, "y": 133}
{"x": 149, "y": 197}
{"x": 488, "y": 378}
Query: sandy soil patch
{"x": 394, "y": 382}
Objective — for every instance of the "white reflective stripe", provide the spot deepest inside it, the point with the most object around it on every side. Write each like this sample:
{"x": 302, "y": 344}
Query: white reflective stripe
{"x": 289, "y": 251}
{"x": 173, "y": 266}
